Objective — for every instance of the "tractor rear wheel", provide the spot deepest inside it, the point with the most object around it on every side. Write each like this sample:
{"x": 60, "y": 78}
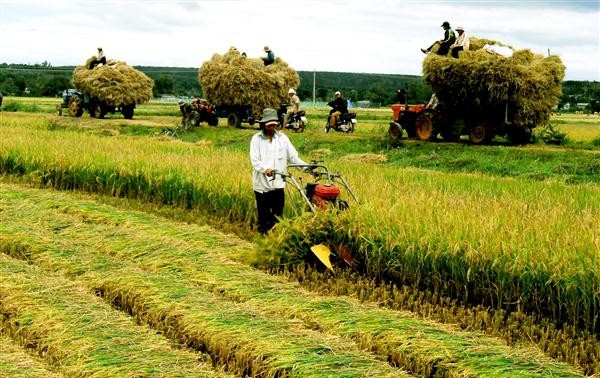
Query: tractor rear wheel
{"x": 481, "y": 132}
{"x": 424, "y": 128}
{"x": 233, "y": 120}
{"x": 75, "y": 106}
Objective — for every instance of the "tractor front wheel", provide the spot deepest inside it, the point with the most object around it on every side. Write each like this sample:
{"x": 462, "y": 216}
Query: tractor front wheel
{"x": 395, "y": 131}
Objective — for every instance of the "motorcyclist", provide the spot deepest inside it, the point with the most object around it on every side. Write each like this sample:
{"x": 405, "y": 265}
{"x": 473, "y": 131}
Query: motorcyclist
{"x": 293, "y": 106}
{"x": 339, "y": 106}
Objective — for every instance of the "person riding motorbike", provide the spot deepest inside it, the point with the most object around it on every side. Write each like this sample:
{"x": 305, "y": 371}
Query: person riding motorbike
{"x": 339, "y": 106}
{"x": 293, "y": 106}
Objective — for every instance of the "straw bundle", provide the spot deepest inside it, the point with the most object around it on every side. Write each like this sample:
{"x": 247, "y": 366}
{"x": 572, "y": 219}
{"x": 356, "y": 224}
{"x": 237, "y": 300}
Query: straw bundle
{"x": 116, "y": 83}
{"x": 481, "y": 82}
{"x": 232, "y": 79}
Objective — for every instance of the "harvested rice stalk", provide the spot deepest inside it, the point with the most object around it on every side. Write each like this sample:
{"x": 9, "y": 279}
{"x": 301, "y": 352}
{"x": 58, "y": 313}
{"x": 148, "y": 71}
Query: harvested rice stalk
{"x": 116, "y": 83}
{"x": 232, "y": 79}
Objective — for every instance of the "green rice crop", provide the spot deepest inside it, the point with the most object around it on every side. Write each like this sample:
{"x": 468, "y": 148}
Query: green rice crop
{"x": 99, "y": 239}
{"x": 81, "y": 336}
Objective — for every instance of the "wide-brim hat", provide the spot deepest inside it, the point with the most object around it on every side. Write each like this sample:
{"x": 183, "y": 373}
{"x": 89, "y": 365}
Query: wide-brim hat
{"x": 269, "y": 115}
{"x": 459, "y": 28}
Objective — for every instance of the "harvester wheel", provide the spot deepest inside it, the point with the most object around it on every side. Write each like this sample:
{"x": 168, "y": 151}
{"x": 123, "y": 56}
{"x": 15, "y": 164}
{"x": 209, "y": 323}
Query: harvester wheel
{"x": 481, "y": 132}
{"x": 233, "y": 120}
{"x": 395, "y": 131}
{"x": 424, "y": 127}
{"x": 75, "y": 106}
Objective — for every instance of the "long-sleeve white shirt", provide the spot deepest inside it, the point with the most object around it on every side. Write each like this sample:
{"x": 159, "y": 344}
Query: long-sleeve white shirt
{"x": 462, "y": 40}
{"x": 275, "y": 154}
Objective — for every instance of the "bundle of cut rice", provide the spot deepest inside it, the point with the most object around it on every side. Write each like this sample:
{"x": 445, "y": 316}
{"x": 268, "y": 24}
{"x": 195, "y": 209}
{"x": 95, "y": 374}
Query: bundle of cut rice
{"x": 233, "y": 79}
{"x": 116, "y": 83}
{"x": 480, "y": 81}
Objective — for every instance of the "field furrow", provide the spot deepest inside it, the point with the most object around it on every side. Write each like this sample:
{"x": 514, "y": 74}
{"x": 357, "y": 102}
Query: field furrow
{"x": 80, "y": 335}
{"x": 15, "y": 362}
{"x": 120, "y": 252}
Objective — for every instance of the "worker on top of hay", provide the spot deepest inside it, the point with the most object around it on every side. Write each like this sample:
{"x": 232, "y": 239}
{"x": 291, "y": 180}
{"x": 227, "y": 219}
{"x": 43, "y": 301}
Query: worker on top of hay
{"x": 100, "y": 58}
{"x": 293, "y": 106}
{"x": 445, "y": 43}
{"x": 339, "y": 106}
{"x": 461, "y": 44}
{"x": 270, "y": 150}
{"x": 270, "y": 58}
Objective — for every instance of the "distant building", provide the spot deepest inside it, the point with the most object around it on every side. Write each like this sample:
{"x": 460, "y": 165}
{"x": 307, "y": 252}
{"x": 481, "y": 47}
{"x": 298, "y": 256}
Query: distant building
{"x": 582, "y": 105}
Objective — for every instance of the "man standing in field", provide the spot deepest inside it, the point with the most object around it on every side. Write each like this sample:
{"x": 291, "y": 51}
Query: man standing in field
{"x": 270, "y": 152}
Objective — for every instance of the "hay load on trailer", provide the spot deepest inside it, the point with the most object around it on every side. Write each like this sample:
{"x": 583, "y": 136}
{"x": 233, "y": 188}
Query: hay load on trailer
{"x": 483, "y": 94}
{"x": 492, "y": 94}
{"x": 114, "y": 86}
{"x": 240, "y": 88}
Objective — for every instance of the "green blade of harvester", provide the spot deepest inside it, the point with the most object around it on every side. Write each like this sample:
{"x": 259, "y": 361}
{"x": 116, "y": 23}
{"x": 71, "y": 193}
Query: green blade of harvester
{"x": 322, "y": 252}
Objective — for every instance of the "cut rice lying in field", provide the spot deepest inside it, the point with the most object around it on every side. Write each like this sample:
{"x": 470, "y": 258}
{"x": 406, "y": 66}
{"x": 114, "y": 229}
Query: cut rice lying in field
{"x": 478, "y": 81}
{"x": 116, "y": 83}
{"x": 233, "y": 79}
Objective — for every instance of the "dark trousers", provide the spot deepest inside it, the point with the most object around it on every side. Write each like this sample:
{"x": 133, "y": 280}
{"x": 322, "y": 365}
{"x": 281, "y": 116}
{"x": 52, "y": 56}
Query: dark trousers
{"x": 444, "y": 47}
{"x": 455, "y": 51}
{"x": 269, "y": 206}
{"x": 95, "y": 62}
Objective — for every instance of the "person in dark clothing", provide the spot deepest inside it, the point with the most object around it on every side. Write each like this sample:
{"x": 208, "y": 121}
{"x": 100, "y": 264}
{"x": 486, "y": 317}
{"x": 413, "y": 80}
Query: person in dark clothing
{"x": 449, "y": 39}
{"x": 270, "y": 58}
{"x": 401, "y": 96}
{"x": 339, "y": 106}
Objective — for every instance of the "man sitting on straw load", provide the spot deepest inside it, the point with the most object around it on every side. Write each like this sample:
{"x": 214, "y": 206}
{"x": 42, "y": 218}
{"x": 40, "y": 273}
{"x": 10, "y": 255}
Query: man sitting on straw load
{"x": 270, "y": 58}
{"x": 449, "y": 38}
{"x": 461, "y": 44}
{"x": 293, "y": 106}
{"x": 100, "y": 58}
{"x": 270, "y": 151}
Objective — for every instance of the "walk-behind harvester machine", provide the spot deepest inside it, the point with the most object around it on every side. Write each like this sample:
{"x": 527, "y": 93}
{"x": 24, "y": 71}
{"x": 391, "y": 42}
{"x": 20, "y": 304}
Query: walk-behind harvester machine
{"x": 321, "y": 194}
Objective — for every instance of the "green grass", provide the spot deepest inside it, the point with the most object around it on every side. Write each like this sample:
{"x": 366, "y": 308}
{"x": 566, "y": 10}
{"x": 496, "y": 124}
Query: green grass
{"x": 97, "y": 243}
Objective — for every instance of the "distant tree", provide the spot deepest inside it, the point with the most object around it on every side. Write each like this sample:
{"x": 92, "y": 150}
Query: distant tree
{"x": 54, "y": 85}
{"x": 162, "y": 84}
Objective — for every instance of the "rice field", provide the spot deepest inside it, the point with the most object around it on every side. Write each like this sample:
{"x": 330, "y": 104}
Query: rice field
{"x": 459, "y": 273}
{"x": 184, "y": 282}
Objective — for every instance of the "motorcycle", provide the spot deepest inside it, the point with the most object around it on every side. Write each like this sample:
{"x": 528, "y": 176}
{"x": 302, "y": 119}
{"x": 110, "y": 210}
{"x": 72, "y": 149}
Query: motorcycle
{"x": 297, "y": 121}
{"x": 346, "y": 123}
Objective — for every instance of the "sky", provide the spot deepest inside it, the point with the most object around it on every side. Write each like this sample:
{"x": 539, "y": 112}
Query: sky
{"x": 372, "y": 36}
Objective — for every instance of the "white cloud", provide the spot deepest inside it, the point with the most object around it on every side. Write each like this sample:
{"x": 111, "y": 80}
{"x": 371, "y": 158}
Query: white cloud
{"x": 377, "y": 36}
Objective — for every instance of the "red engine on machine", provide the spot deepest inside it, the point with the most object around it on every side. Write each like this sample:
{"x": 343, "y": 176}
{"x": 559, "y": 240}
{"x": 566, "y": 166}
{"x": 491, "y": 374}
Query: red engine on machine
{"x": 320, "y": 195}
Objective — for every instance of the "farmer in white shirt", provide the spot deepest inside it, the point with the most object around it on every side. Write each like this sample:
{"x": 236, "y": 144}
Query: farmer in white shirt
{"x": 270, "y": 150}
{"x": 461, "y": 44}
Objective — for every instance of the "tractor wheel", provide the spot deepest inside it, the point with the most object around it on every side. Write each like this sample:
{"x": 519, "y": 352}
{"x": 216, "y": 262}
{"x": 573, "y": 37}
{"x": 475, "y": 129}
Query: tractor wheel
{"x": 395, "y": 131}
{"x": 481, "y": 132}
{"x": 233, "y": 120}
{"x": 424, "y": 129}
{"x": 59, "y": 110}
{"x": 75, "y": 106}
{"x": 519, "y": 135}
{"x": 127, "y": 111}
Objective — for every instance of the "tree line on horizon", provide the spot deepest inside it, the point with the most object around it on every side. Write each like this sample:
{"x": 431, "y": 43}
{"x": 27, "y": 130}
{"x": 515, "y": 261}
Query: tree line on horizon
{"x": 45, "y": 80}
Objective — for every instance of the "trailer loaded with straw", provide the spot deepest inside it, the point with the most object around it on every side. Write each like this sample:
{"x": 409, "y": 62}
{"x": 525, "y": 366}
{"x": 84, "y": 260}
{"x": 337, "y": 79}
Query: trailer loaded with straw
{"x": 114, "y": 86}
{"x": 484, "y": 93}
{"x": 239, "y": 88}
